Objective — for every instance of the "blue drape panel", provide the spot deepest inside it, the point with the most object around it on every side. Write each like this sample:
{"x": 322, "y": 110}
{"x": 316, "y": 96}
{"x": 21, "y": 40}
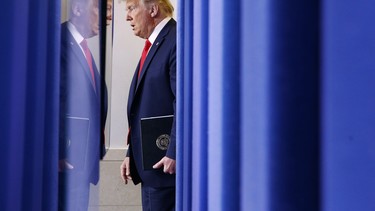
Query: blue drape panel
{"x": 200, "y": 107}
{"x": 287, "y": 105}
{"x": 260, "y": 150}
{"x": 348, "y": 105}
{"x": 255, "y": 73}
{"x": 29, "y": 104}
{"x": 293, "y": 108}
{"x": 184, "y": 107}
{"x": 224, "y": 105}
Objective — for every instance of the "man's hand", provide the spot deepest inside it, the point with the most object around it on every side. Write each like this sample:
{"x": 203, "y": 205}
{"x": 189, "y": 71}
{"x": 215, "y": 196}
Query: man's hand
{"x": 125, "y": 170}
{"x": 64, "y": 165}
{"x": 168, "y": 163}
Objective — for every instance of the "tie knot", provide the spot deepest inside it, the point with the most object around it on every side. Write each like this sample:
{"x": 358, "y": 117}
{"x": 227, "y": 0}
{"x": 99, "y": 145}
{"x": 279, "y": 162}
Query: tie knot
{"x": 84, "y": 44}
{"x": 147, "y": 45}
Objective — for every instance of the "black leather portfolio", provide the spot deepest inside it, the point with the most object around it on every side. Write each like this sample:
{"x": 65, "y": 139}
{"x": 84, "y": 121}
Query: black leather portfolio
{"x": 155, "y": 133}
{"x": 77, "y": 133}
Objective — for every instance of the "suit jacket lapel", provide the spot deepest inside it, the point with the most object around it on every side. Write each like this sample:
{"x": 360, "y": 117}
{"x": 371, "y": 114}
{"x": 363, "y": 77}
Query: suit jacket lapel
{"x": 149, "y": 57}
{"x": 98, "y": 79}
{"x": 132, "y": 90}
{"x": 82, "y": 59}
{"x": 154, "y": 48}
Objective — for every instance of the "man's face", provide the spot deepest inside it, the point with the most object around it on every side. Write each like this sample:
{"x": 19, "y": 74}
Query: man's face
{"x": 109, "y": 12}
{"x": 140, "y": 18}
{"x": 89, "y": 18}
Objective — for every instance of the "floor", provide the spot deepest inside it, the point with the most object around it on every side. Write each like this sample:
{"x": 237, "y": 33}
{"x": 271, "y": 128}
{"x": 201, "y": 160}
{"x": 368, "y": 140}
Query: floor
{"x": 111, "y": 194}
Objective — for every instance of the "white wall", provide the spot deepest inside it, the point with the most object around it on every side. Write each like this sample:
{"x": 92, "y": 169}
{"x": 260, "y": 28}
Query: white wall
{"x": 125, "y": 56}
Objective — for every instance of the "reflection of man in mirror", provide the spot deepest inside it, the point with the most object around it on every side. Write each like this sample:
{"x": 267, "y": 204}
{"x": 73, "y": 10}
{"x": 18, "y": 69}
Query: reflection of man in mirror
{"x": 81, "y": 124}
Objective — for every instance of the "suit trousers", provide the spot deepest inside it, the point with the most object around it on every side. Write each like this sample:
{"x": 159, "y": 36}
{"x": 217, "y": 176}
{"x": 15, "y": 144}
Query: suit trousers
{"x": 158, "y": 199}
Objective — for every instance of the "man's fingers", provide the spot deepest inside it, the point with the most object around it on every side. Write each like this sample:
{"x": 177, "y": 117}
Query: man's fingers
{"x": 65, "y": 165}
{"x": 158, "y": 164}
{"x": 122, "y": 169}
{"x": 68, "y": 166}
{"x": 168, "y": 165}
{"x": 170, "y": 170}
{"x": 125, "y": 170}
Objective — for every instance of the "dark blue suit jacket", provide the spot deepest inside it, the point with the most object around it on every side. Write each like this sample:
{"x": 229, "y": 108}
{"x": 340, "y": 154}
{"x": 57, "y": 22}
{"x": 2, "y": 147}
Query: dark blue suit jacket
{"x": 154, "y": 94}
{"x": 81, "y": 125}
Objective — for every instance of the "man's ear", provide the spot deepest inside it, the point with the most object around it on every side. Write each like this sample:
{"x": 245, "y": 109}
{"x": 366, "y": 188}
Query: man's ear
{"x": 154, "y": 10}
{"x": 76, "y": 9}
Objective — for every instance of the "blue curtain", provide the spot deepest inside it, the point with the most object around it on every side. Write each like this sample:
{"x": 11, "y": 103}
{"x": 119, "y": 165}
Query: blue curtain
{"x": 348, "y": 105}
{"x": 29, "y": 62}
{"x": 275, "y": 105}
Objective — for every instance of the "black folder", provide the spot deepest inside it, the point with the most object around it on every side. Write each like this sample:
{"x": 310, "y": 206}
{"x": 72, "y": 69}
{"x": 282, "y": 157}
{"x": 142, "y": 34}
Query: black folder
{"x": 155, "y": 132}
{"x": 77, "y": 133}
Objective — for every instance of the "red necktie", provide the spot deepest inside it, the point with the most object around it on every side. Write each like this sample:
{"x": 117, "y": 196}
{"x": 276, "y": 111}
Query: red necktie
{"x": 144, "y": 54}
{"x": 88, "y": 59}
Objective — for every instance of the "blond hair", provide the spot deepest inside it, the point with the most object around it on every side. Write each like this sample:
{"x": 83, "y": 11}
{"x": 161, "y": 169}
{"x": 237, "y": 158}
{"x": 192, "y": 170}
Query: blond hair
{"x": 165, "y": 6}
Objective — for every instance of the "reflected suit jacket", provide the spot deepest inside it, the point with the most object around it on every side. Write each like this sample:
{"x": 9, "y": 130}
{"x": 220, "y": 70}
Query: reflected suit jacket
{"x": 153, "y": 94}
{"x": 81, "y": 122}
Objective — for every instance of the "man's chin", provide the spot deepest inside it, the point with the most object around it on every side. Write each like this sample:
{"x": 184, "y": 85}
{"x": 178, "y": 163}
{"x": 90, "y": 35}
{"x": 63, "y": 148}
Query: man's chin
{"x": 138, "y": 35}
{"x": 94, "y": 33}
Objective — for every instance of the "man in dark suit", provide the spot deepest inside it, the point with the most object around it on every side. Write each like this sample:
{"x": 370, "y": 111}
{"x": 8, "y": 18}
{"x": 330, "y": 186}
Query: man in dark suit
{"x": 81, "y": 120}
{"x": 152, "y": 93}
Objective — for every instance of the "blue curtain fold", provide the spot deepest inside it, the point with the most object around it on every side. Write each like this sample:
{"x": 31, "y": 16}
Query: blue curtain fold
{"x": 200, "y": 106}
{"x": 184, "y": 106}
{"x": 29, "y": 104}
{"x": 348, "y": 105}
{"x": 277, "y": 104}
{"x": 255, "y": 85}
{"x": 294, "y": 128}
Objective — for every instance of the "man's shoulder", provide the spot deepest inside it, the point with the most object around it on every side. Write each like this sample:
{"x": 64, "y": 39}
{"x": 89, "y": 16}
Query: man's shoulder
{"x": 170, "y": 29}
{"x": 172, "y": 23}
